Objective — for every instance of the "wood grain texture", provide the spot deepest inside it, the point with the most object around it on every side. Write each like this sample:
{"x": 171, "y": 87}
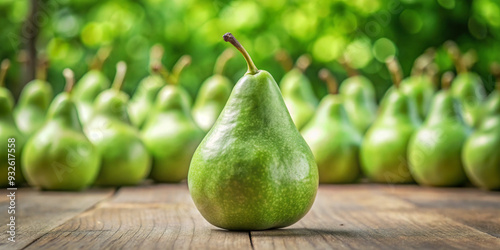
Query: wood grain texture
{"x": 374, "y": 217}
{"x": 39, "y": 212}
{"x": 363, "y": 216}
{"x": 150, "y": 217}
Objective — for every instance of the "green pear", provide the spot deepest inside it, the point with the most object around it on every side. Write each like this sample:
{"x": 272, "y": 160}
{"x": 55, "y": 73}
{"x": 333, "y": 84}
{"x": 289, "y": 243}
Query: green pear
{"x": 421, "y": 89}
{"x": 358, "y": 94}
{"x": 171, "y": 135}
{"x": 434, "y": 152}
{"x": 419, "y": 86}
{"x": 90, "y": 85}
{"x": 298, "y": 93}
{"x": 34, "y": 101}
{"x": 59, "y": 156}
{"x": 253, "y": 170}
{"x": 384, "y": 148}
{"x": 481, "y": 151}
{"x": 12, "y": 139}
{"x": 144, "y": 98}
{"x": 467, "y": 87}
{"x": 213, "y": 94}
{"x": 124, "y": 157}
{"x": 332, "y": 138}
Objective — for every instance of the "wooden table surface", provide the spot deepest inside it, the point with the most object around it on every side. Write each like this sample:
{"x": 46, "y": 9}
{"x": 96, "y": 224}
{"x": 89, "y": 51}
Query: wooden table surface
{"x": 343, "y": 216}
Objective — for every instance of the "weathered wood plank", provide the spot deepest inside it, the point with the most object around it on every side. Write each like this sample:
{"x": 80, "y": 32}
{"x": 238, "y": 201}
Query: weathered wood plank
{"x": 159, "y": 216}
{"x": 369, "y": 216}
{"x": 39, "y": 212}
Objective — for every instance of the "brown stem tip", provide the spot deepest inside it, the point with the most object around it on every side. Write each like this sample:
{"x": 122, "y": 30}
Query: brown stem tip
{"x": 252, "y": 69}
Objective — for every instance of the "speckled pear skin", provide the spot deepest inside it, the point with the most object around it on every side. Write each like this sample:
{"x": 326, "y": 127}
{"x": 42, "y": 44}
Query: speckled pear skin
{"x": 434, "y": 152}
{"x": 253, "y": 170}
{"x": 385, "y": 145}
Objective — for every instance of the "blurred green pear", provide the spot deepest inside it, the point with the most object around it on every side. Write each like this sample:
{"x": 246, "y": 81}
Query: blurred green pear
{"x": 333, "y": 140}
{"x": 435, "y": 150}
{"x": 385, "y": 145}
{"x": 213, "y": 94}
{"x": 298, "y": 93}
{"x": 11, "y": 137}
{"x": 91, "y": 85}
{"x": 124, "y": 157}
{"x": 59, "y": 156}
{"x": 33, "y": 102}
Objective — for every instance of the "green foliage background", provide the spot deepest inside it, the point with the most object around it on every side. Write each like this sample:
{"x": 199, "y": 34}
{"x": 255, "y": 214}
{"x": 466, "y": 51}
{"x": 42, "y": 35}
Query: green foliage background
{"x": 366, "y": 30}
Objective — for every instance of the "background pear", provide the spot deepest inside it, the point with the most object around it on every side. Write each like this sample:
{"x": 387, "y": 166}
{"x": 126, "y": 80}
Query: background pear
{"x": 358, "y": 94}
{"x": 145, "y": 95}
{"x": 481, "y": 153}
{"x": 332, "y": 138}
{"x": 8, "y": 130}
{"x": 253, "y": 170}
{"x": 420, "y": 86}
{"x": 171, "y": 135}
{"x": 124, "y": 157}
{"x": 467, "y": 87}
{"x": 59, "y": 156}
{"x": 298, "y": 94}
{"x": 213, "y": 94}
{"x": 90, "y": 85}
{"x": 435, "y": 150}
{"x": 385, "y": 145}
{"x": 33, "y": 102}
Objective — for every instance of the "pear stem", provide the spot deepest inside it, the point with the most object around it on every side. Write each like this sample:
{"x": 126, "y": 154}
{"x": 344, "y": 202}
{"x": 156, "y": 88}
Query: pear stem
{"x": 432, "y": 70}
{"x": 469, "y": 59}
{"x": 422, "y": 62}
{"x": 156, "y": 54}
{"x": 41, "y": 69}
{"x": 182, "y": 63}
{"x": 3, "y": 71}
{"x": 222, "y": 60}
{"x": 100, "y": 57}
{"x": 303, "y": 62}
{"x": 454, "y": 52}
{"x": 446, "y": 80}
{"x": 395, "y": 70}
{"x": 347, "y": 67}
{"x": 495, "y": 70}
{"x": 284, "y": 59}
{"x": 121, "y": 70}
{"x": 327, "y": 76}
{"x": 252, "y": 69}
{"x": 70, "y": 79}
